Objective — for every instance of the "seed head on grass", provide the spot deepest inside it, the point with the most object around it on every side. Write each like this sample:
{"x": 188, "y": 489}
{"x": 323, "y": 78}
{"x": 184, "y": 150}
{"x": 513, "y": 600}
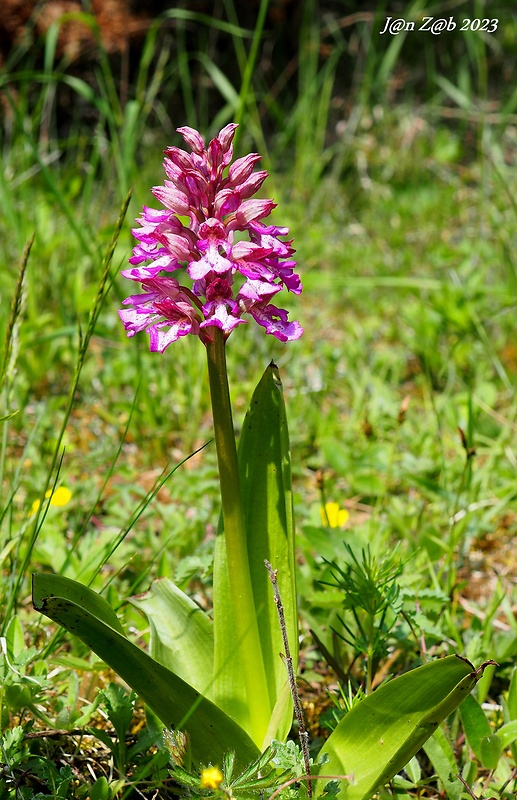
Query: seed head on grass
{"x": 216, "y": 196}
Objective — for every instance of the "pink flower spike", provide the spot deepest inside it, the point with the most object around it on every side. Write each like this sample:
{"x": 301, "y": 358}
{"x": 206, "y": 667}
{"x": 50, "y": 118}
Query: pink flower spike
{"x": 212, "y": 227}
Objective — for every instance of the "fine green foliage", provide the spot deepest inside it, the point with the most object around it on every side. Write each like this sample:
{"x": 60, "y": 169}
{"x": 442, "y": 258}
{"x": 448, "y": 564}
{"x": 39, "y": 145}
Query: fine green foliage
{"x": 371, "y": 593}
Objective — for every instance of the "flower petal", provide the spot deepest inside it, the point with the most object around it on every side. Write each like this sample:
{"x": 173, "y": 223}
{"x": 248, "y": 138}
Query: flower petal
{"x": 192, "y": 138}
{"x": 274, "y": 320}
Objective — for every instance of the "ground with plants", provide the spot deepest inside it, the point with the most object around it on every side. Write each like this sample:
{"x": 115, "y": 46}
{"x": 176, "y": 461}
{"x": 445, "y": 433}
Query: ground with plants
{"x": 401, "y": 400}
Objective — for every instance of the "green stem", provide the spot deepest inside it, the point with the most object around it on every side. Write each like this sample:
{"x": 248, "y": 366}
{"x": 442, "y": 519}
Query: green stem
{"x": 371, "y": 636}
{"x": 250, "y": 651}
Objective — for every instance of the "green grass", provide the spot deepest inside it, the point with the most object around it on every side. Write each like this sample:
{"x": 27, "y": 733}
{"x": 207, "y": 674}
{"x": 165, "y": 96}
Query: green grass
{"x": 404, "y": 223}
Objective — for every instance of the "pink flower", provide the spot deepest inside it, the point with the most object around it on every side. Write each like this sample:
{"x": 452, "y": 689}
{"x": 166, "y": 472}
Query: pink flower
{"x": 165, "y": 312}
{"x": 217, "y": 198}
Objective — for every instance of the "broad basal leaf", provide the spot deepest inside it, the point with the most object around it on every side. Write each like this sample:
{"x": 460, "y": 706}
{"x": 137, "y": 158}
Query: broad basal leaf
{"x": 182, "y": 637}
{"x": 88, "y": 616}
{"x": 383, "y": 732}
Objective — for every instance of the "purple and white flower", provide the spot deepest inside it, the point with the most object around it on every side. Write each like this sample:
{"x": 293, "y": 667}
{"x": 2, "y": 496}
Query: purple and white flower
{"x": 216, "y": 196}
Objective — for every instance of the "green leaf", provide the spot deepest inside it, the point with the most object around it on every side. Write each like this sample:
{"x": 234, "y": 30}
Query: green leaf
{"x": 441, "y": 756}
{"x": 120, "y": 707}
{"x": 512, "y": 695}
{"x": 414, "y": 770}
{"x": 508, "y": 733}
{"x": 9, "y": 416}
{"x": 475, "y": 724}
{"x": 491, "y": 749}
{"x": 88, "y": 616}
{"x": 100, "y": 790}
{"x": 379, "y": 735}
{"x": 14, "y": 638}
{"x": 265, "y": 478}
{"x": 182, "y": 637}
{"x": 512, "y": 707}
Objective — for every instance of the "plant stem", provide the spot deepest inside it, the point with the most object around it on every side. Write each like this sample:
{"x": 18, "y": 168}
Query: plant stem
{"x": 369, "y": 655}
{"x": 250, "y": 650}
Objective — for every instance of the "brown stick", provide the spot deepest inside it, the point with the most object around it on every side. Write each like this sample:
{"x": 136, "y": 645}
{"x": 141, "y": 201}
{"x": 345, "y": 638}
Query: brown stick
{"x": 302, "y": 730}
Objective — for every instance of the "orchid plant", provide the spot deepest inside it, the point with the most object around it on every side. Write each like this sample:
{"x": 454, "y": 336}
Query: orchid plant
{"x": 218, "y": 206}
{"x": 220, "y": 684}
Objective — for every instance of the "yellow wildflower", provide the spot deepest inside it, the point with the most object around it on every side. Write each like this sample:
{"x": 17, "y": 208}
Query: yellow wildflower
{"x": 333, "y": 515}
{"x": 59, "y": 498}
{"x": 211, "y": 778}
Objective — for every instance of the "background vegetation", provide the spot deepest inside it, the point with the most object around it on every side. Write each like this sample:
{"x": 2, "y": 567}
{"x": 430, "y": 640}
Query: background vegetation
{"x": 393, "y": 160}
